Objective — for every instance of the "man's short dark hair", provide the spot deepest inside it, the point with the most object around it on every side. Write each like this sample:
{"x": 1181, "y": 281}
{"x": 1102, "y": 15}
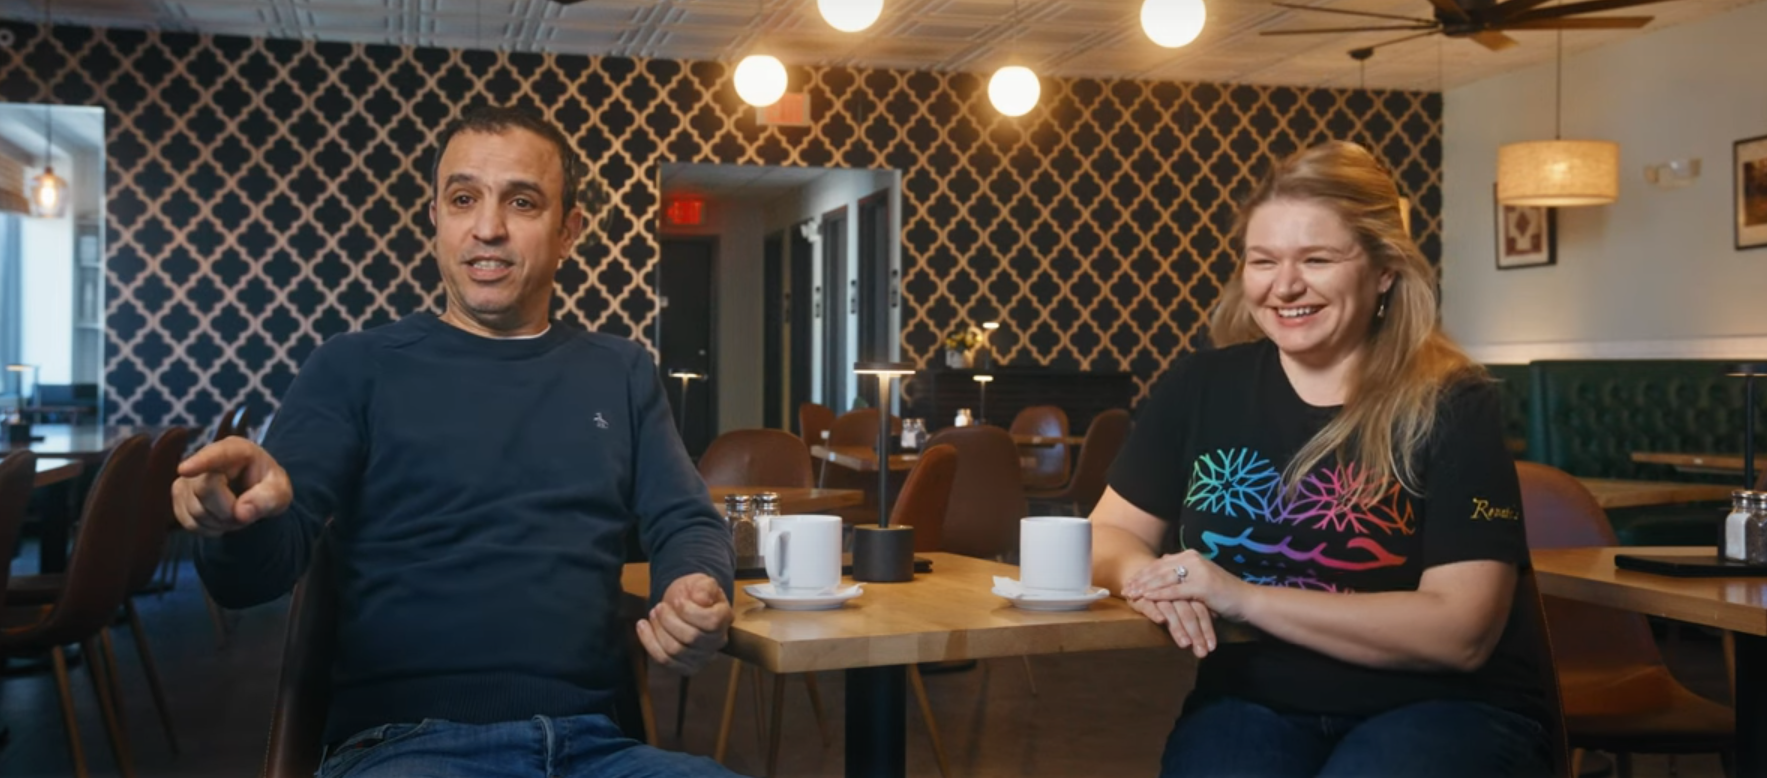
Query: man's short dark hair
{"x": 497, "y": 118}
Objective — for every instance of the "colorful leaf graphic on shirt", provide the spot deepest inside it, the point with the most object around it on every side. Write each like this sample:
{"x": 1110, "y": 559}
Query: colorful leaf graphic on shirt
{"x": 1234, "y": 482}
{"x": 1378, "y": 557}
{"x": 1325, "y": 499}
{"x": 1308, "y": 582}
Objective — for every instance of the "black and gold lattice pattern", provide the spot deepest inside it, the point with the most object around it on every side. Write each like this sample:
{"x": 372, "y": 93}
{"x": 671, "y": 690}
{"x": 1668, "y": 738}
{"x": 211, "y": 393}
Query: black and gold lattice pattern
{"x": 266, "y": 194}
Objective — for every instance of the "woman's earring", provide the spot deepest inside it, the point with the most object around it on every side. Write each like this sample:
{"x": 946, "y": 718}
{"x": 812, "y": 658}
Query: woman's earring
{"x": 1381, "y": 312}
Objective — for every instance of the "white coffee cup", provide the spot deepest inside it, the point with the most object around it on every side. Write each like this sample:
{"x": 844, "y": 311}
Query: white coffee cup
{"x": 804, "y": 554}
{"x": 1055, "y": 555}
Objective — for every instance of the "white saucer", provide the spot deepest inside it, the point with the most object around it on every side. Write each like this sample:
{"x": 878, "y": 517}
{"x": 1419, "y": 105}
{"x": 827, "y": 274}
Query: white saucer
{"x": 802, "y": 602}
{"x": 1054, "y": 602}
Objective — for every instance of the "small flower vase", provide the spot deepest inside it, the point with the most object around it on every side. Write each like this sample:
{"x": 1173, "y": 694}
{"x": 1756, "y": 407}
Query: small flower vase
{"x": 958, "y": 360}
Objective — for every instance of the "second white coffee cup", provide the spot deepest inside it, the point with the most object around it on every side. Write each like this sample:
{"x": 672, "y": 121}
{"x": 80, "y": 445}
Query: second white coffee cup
{"x": 1055, "y": 555}
{"x": 804, "y": 554}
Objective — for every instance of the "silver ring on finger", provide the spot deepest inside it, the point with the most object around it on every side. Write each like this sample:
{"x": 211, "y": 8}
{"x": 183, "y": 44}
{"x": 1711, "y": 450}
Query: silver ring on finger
{"x": 1180, "y": 573}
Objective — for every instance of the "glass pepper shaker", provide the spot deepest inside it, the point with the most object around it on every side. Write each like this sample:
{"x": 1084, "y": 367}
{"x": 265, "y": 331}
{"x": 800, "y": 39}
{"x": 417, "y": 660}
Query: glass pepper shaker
{"x": 742, "y": 526}
{"x": 1755, "y": 536}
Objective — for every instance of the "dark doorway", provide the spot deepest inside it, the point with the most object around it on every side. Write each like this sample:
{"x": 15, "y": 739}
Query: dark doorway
{"x": 877, "y": 287}
{"x": 801, "y": 314}
{"x": 839, "y": 303}
{"x": 686, "y": 282}
{"x": 773, "y": 302}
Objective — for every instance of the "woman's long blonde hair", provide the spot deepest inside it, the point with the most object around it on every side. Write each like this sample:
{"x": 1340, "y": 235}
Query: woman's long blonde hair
{"x": 1390, "y": 405}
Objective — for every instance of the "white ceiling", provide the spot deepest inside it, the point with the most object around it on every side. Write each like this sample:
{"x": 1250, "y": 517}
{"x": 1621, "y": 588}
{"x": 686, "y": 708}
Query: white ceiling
{"x": 1096, "y": 38}
{"x": 754, "y": 182}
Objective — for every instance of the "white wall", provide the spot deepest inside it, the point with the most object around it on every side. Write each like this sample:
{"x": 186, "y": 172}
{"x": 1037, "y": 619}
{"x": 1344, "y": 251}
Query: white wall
{"x": 1653, "y": 275}
{"x": 737, "y": 333}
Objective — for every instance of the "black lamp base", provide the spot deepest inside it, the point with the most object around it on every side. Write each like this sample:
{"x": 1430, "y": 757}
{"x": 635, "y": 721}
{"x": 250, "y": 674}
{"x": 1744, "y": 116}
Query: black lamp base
{"x": 883, "y": 554}
{"x": 18, "y": 432}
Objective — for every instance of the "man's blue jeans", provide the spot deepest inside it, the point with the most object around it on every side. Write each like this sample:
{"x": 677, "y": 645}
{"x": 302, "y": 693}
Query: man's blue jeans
{"x": 541, "y": 747}
{"x": 1445, "y": 739}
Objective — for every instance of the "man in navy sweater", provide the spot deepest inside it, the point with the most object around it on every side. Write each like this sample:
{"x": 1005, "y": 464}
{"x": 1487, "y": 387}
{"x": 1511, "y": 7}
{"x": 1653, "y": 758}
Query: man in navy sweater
{"x": 480, "y": 470}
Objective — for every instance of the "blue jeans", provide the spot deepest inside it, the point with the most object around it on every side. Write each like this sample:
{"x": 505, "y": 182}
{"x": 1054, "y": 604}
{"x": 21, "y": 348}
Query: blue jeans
{"x": 541, "y": 747}
{"x": 1443, "y": 739}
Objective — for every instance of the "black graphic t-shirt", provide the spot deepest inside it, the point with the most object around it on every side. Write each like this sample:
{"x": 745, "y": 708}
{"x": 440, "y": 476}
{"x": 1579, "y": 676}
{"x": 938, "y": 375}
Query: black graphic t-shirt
{"x": 1207, "y": 456}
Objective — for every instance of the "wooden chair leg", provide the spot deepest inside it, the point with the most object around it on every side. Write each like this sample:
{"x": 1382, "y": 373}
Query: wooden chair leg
{"x": 112, "y": 678}
{"x": 1030, "y": 676}
{"x": 1576, "y": 763}
{"x": 729, "y": 710}
{"x": 68, "y": 718}
{"x": 816, "y": 705}
{"x": 1622, "y": 766}
{"x": 681, "y": 707}
{"x": 774, "y": 727}
{"x": 932, "y": 725}
{"x": 154, "y": 685}
{"x": 760, "y": 713}
{"x": 646, "y": 705}
{"x": 113, "y": 726}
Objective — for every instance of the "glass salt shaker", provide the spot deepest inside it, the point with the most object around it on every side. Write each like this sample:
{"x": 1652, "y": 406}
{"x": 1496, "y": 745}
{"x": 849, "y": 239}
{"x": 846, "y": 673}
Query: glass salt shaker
{"x": 766, "y": 510}
{"x": 913, "y": 432}
{"x": 1731, "y": 546}
{"x": 964, "y": 418}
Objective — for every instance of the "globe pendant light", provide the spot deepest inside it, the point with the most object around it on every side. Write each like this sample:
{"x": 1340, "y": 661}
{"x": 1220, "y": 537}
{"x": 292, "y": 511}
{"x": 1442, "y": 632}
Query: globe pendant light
{"x": 760, "y": 80}
{"x": 1014, "y": 90}
{"x": 850, "y": 15}
{"x": 1558, "y": 173}
{"x": 1173, "y": 23}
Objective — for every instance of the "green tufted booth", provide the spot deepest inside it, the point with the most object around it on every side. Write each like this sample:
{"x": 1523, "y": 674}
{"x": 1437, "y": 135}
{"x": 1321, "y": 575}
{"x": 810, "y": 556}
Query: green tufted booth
{"x": 1512, "y": 395}
{"x": 1586, "y": 417}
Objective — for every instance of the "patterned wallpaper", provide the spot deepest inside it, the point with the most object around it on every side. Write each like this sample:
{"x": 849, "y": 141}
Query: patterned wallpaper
{"x": 267, "y": 194}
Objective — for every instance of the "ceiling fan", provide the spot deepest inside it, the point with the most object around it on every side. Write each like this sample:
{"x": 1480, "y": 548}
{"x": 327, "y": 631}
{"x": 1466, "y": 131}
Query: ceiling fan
{"x": 1482, "y": 21}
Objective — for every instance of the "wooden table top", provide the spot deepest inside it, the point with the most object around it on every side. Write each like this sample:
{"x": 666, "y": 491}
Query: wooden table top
{"x": 1588, "y": 575}
{"x": 1616, "y": 493}
{"x": 947, "y": 614}
{"x": 862, "y": 458}
{"x": 1048, "y": 440}
{"x": 795, "y": 500}
{"x": 1722, "y": 464}
{"x": 54, "y": 471}
{"x": 79, "y": 441}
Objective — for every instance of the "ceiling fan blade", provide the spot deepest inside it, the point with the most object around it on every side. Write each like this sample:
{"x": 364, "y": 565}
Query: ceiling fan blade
{"x": 1370, "y": 14}
{"x": 1493, "y": 40}
{"x": 1450, "y": 9}
{"x": 1506, "y": 10}
{"x": 1427, "y": 29}
{"x": 1588, "y": 23}
{"x": 1573, "y": 9}
{"x": 1401, "y": 40}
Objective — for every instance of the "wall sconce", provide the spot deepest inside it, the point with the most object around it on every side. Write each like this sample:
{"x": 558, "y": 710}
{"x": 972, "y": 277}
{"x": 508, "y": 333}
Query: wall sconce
{"x": 1674, "y": 174}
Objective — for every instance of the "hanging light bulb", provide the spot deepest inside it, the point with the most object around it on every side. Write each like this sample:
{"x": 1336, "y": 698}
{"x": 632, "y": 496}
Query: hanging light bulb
{"x": 1014, "y": 90}
{"x": 48, "y": 194}
{"x": 1173, "y": 23}
{"x": 760, "y": 80}
{"x": 850, "y": 15}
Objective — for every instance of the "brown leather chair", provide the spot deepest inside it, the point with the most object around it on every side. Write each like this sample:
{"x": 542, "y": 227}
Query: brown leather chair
{"x": 97, "y": 583}
{"x": 988, "y": 497}
{"x": 1104, "y": 438}
{"x": 759, "y": 457}
{"x": 151, "y": 533}
{"x": 1050, "y": 470}
{"x": 18, "y": 475}
{"x": 1618, "y": 693}
{"x": 813, "y": 420}
{"x": 926, "y": 496}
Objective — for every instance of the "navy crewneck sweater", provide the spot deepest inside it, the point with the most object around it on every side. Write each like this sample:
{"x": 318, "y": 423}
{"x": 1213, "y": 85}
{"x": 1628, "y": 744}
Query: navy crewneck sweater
{"x": 479, "y": 491}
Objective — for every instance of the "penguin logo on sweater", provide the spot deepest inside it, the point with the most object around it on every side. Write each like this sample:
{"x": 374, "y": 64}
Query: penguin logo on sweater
{"x": 600, "y": 422}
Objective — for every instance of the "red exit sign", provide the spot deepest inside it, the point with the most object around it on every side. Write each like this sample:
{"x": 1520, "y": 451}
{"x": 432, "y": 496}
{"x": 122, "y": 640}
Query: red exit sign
{"x": 684, "y": 212}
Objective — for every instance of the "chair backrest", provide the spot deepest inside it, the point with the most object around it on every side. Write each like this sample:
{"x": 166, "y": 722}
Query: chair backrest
{"x": 303, "y": 692}
{"x": 813, "y": 420}
{"x": 988, "y": 496}
{"x": 1588, "y": 640}
{"x": 758, "y": 457}
{"x": 99, "y": 570}
{"x": 1103, "y": 440}
{"x": 234, "y": 421}
{"x": 18, "y": 474}
{"x": 854, "y": 428}
{"x": 263, "y": 429}
{"x": 1050, "y": 470}
{"x": 155, "y": 505}
{"x": 926, "y": 496}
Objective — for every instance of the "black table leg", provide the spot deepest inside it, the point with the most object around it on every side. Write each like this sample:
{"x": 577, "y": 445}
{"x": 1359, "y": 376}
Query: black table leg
{"x": 877, "y": 717}
{"x": 59, "y": 510}
{"x": 1751, "y": 706}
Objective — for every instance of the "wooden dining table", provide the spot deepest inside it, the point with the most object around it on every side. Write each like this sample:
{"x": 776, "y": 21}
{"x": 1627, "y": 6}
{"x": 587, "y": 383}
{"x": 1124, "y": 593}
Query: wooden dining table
{"x": 87, "y": 442}
{"x": 1738, "y": 605}
{"x": 1694, "y": 462}
{"x": 945, "y": 615}
{"x": 795, "y": 500}
{"x": 54, "y": 471}
{"x": 1045, "y": 441}
{"x": 864, "y": 458}
{"x": 1620, "y": 493}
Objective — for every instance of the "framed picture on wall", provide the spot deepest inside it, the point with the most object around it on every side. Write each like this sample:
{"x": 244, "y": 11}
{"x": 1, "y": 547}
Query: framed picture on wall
{"x": 1751, "y": 193}
{"x": 1527, "y": 236}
